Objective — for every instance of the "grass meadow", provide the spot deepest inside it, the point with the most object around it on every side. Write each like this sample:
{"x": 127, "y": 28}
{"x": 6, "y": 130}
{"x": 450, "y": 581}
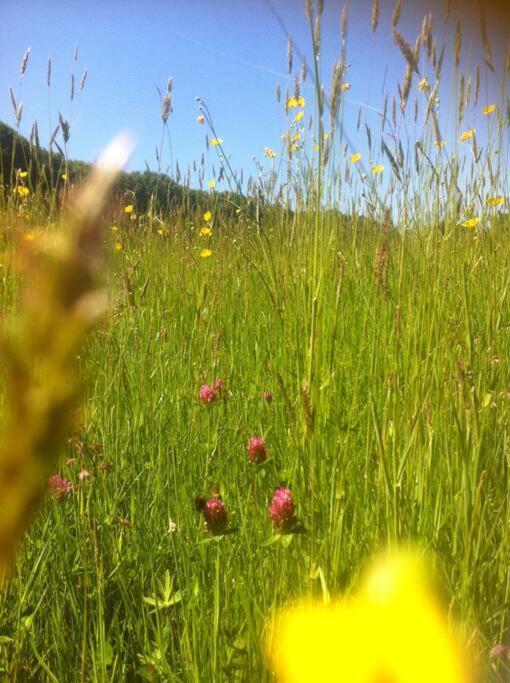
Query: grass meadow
{"x": 382, "y": 336}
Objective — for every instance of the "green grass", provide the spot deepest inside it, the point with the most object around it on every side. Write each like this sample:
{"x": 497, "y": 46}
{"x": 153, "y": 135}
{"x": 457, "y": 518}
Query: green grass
{"x": 409, "y": 440}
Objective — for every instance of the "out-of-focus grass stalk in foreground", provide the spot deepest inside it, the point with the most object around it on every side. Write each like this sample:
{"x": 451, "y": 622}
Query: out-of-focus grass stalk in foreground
{"x": 63, "y": 297}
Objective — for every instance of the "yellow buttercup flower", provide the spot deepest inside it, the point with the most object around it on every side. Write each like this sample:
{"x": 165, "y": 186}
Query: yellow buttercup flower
{"x": 128, "y": 208}
{"x": 299, "y": 116}
{"x": 487, "y": 111}
{"x": 378, "y": 169}
{"x": 205, "y": 231}
{"x": 212, "y": 184}
{"x": 293, "y": 102}
{"x": 354, "y": 158}
{"x": 468, "y": 134}
{"x": 205, "y": 253}
{"x": 64, "y": 177}
{"x": 114, "y": 228}
{"x": 392, "y": 630}
{"x": 295, "y": 137}
{"x": 215, "y": 142}
{"x": 268, "y": 152}
{"x": 200, "y": 119}
{"x": 117, "y": 246}
{"x": 21, "y": 191}
{"x": 471, "y": 223}
{"x": 345, "y": 86}
{"x": 495, "y": 201}
{"x": 22, "y": 174}
{"x": 439, "y": 144}
{"x": 207, "y": 216}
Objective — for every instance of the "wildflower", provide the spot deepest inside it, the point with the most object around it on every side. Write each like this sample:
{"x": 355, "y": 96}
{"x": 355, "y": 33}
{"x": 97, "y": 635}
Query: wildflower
{"x": 354, "y": 158}
{"x": 293, "y": 102}
{"x": 59, "y": 487}
{"x": 132, "y": 217}
{"x": 325, "y": 137}
{"x": 114, "y": 228}
{"x": 268, "y": 396}
{"x": 64, "y": 177}
{"x": 117, "y": 246}
{"x": 281, "y": 509}
{"x": 377, "y": 169}
{"x": 293, "y": 148}
{"x": 487, "y": 111}
{"x": 22, "y": 174}
{"x": 468, "y": 134}
{"x": 21, "y": 191}
{"x": 471, "y": 223}
{"x": 215, "y": 515}
{"x": 394, "y": 630}
{"x": 345, "y": 86}
{"x": 299, "y": 116}
{"x": 257, "y": 450}
{"x": 212, "y": 184}
{"x": 439, "y": 144}
{"x": 205, "y": 253}
{"x": 495, "y": 201}
{"x": 205, "y": 231}
{"x": 219, "y": 387}
{"x": 201, "y": 119}
{"x": 423, "y": 85}
{"x": 207, "y": 394}
{"x": 215, "y": 142}
{"x": 268, "y": 152}
{"x": 84, "y": 475}
{"x": 207, "y": 216}
{"x": 128, "y": 208}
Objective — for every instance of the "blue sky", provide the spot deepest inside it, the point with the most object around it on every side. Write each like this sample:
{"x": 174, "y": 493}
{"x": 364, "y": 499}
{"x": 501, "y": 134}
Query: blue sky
{"x": 230, "y": 53}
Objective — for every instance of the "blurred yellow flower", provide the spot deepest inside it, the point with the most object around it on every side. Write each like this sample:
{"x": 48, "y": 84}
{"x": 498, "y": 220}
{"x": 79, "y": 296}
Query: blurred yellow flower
{"x": 299, "y": 116}
{"x": 132, "y": 217}
{"x": 216, "y": 141}
{"x": 29, "y": 237}
{"x": 440, "y": 144}
{"x": 268, "y": 152}
{"x": 205, "y": 231}
{"x": 496, "y": 201}
{"x": 295, "y": 137}
{"x": 212, "y": 184}
{"x": 295, "y": 102}
{"x": 423, "y": 85}
{"x": 468, "y": 134}
{"x": 128, "y": 208}
{"x": 207, "y": 216}
{"x": 293, "y": 148}
{"x": 378, "y": 169}
{"x": 114, "y": 228}
{"x": 21, "y": 191}
{"x": 64, "y": 177}
{"x": 471, "y": 223}
{"x": 22, "y": 174}
{"x": 345, "y": 86}
{"x": 205, "y": 253}
{"x": 117, "y": 246}
{"x": 200, "y": 119}
{"x": 487, "y": 111}
{"x": 354, "y": 158}
{"x": 392, "y": 630}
